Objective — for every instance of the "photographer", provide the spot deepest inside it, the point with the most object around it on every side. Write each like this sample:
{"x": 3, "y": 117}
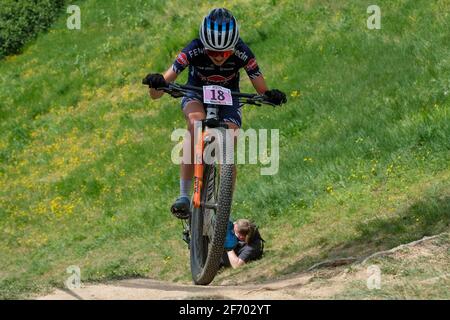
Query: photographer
{"x": 243, "y": 243}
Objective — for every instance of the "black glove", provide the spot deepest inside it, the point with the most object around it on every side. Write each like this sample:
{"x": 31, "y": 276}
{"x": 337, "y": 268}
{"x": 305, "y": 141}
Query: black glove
{"x": 155, "y": 80}
{"x": 276, "y": 96}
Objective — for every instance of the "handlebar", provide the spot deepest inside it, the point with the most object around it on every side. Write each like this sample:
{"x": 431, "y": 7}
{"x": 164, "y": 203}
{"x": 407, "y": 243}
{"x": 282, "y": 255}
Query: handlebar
{"x": 178, "y": 90}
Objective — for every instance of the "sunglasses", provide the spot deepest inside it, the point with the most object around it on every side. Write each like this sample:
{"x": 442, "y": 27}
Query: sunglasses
{"x": 214, "y": 54}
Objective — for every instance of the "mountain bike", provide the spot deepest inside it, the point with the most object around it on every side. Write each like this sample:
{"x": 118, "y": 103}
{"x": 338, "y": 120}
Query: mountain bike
{"x": 206, "y": 228}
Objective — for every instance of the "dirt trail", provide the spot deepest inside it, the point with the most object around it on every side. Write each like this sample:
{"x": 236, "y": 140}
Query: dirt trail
{"x": 153, "y": 289}
{"x": 300, "y": 286}
{"x": 322, "y": 283}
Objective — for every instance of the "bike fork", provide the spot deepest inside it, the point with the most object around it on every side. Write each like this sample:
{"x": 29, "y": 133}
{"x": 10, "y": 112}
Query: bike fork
{"x": 198, "y": 170}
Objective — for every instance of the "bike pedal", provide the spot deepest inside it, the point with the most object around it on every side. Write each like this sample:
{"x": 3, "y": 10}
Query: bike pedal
{"x": 180, "y": 214}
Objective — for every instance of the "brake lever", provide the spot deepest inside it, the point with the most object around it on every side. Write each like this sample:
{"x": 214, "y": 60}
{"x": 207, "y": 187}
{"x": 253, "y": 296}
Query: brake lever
{"x": 176, "y": 94}
{"x": 252, "y": 102}
{"x": 259, "y": 101}
{"x": 173, "y": 92}
{"x": 265, "y": 101}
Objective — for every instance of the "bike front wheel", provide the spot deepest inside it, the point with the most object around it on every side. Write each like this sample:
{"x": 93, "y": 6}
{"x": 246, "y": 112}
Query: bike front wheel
{"x": 209, "y": 222}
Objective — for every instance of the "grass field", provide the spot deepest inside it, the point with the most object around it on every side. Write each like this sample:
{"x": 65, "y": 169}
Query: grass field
{"x": 86, "y": 177}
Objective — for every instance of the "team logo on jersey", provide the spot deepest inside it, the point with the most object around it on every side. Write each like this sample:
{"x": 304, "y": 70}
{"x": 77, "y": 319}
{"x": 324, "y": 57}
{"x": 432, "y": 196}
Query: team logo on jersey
{"x": 251, "y": 65}
{"x": 182, "y": 59}
{"x": 216, "y": 78}
{"x": 241, "y": 55}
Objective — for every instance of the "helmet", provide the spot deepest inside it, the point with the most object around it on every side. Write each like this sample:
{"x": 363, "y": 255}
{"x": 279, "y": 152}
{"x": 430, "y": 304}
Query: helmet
{"x": 219, "y": 30}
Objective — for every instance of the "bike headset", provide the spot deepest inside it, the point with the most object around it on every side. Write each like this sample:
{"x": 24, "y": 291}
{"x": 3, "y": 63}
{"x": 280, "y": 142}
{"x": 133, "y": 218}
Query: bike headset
{"x": 219, "y": 30}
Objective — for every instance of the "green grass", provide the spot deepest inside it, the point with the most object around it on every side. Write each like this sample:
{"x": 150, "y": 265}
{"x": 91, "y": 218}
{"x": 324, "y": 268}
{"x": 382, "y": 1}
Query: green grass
{"x": 86, "y": 177}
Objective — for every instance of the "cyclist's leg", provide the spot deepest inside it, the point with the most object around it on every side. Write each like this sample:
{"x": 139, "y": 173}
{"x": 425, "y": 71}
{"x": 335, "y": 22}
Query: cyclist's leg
{"x": 193, "y": 111}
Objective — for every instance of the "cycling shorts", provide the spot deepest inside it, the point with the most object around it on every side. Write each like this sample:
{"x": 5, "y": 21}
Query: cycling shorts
{"x": 226, "y": 113}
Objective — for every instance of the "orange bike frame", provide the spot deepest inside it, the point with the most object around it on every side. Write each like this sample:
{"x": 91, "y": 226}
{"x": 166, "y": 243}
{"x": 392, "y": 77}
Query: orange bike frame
{"x": 198, "y": 170}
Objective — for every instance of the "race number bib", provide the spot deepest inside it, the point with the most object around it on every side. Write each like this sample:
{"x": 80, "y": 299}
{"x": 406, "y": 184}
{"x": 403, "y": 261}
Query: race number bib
{"x": 217, "y": 95}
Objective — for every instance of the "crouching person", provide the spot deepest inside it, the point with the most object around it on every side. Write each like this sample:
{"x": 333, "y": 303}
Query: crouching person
{"x": 243, "y": 243}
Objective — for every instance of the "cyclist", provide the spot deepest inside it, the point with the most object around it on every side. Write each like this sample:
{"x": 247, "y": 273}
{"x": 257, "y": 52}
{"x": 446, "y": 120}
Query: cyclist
{"x": 213, "y": 59}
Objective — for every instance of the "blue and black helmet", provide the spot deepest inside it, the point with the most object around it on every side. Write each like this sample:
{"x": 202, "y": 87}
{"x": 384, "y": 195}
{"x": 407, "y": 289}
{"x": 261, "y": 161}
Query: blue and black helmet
{"x": 219, "y": 30}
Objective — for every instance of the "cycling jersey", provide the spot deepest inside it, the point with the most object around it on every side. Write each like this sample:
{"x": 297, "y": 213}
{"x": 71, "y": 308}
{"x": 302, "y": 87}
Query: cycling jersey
{"x": 202, "y": 71}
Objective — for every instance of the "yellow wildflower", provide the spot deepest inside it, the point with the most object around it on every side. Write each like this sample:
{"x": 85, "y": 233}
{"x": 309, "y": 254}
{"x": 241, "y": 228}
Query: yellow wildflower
{"x": 295, "y": 94}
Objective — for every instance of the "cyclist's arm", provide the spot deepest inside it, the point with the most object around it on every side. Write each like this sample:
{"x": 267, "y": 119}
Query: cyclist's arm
{"x": 259, "y": 83}
{"x": 235, "y": 261}
{"x": 169, "y": 76}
